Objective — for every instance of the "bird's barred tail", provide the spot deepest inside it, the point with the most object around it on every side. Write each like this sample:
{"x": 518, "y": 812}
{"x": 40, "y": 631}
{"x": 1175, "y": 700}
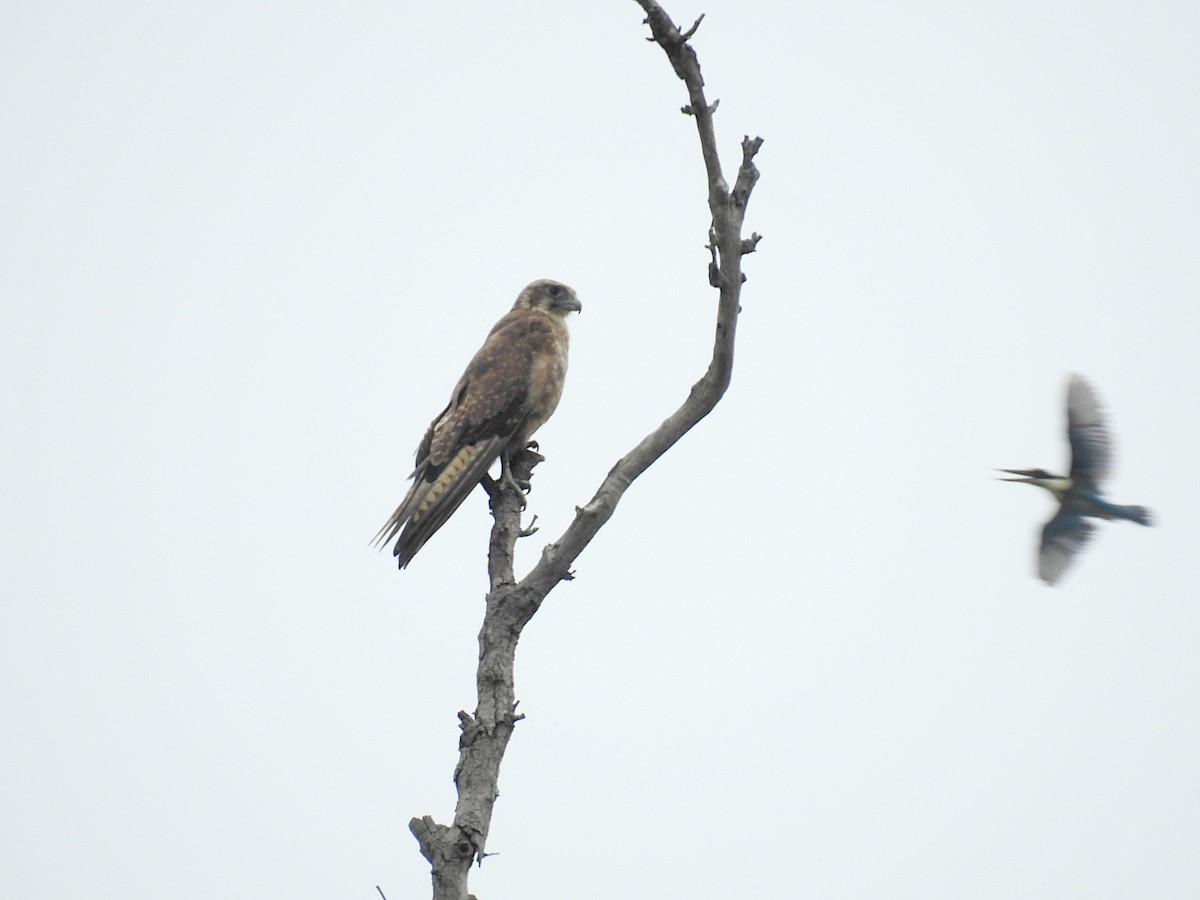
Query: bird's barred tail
{"x": 430, "y": 503}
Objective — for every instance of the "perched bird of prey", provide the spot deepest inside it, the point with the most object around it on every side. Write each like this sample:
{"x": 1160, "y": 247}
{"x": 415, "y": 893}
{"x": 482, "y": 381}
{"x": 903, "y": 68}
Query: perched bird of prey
{"x": 1079, "y": 493}
{"x": 510, "y": 388}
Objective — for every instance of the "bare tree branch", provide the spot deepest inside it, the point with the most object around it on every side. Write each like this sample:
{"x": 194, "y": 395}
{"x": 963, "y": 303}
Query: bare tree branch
{"x": 727, "y": 247}
{"x": 451, "y": 849}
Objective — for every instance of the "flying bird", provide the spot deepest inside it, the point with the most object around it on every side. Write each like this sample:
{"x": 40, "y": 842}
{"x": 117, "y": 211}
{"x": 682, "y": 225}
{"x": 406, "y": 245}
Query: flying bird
{"x": 510, "y": 388}
{"x": 1078, "y": 494}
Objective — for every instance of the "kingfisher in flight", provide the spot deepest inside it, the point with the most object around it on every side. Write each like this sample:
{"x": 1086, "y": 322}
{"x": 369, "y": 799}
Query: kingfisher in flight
{"x": 1078, "y": 494}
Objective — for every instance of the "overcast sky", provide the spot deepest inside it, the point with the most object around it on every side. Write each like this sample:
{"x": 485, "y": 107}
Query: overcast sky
{"x": 247, "y": 250}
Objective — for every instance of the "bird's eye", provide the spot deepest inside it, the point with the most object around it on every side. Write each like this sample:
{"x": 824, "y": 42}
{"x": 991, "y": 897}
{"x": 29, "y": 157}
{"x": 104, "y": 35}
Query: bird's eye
{"x": 554, "y": 290}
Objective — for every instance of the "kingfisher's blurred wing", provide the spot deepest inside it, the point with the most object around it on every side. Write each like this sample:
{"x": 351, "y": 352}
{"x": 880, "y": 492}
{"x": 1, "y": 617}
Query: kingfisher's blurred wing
{"x": 1090, "y": 446}
{"x": 1062, "y": 539}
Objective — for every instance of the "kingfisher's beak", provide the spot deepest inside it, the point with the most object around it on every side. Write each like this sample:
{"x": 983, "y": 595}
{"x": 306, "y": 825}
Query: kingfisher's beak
{"x": 1028, "y": 473}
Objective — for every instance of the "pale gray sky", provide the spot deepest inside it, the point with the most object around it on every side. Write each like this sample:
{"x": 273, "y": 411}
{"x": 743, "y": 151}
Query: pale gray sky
{"x": 247, "y": 249}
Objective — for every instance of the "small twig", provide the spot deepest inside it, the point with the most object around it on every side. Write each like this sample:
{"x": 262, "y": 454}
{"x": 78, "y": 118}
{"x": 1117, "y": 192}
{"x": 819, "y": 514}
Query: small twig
{"x": 714, "y": 267}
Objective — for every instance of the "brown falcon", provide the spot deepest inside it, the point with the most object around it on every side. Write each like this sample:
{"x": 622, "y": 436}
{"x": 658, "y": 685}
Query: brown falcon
{"x": 510, "y": 388}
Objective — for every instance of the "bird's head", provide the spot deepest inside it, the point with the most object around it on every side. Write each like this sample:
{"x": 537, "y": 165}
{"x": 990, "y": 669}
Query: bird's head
{"x": 549, "y": 296}
{"x": 1055, "y": 484}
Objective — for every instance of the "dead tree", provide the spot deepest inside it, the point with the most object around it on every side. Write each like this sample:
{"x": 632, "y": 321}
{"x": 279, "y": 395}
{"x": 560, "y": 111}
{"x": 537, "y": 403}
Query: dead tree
{"x": 451, "y": 849}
